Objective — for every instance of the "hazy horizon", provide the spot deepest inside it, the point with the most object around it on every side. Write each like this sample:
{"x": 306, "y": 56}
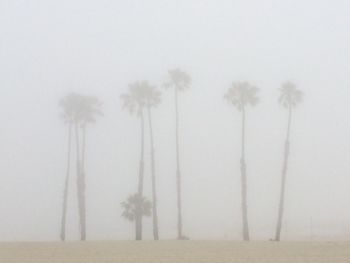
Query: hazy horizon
{"x": 51, "y": 48}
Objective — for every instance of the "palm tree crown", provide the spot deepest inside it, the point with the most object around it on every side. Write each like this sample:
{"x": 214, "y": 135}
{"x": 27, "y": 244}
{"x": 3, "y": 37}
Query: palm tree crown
{"x": 69, "y": 104}
{"x": 152, "y": 96}
{"x": 179, "y": 79}
{"x": 290, "y": 96}
{"x": 90, "y": 108}
{"x": 140, "y": 95}
{"x": 80, "y": 109}
{"x": 133, "y": 203}
{"x": 242, "y": 94}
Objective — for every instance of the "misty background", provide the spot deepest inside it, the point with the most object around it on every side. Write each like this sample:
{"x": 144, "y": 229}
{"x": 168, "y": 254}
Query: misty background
{"x": 51, "y": 48}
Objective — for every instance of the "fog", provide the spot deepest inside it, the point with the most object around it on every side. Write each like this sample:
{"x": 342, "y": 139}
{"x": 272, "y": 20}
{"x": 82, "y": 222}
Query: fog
{"x": 49, "y": 49}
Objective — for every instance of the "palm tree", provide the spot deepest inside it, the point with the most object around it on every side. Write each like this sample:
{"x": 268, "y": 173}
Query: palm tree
{"x": 88, "y": 110}
{"x": 67, "y": 104}
{"x": 179, "y": 81}
{"x": 241, "y": 95}
{"x": 134, "y": 100}
{"x": 289, "y": 98}
{"x": 79, "y": 111}
{"x": 133, "y": 207}
{"x": 152, "y": 100}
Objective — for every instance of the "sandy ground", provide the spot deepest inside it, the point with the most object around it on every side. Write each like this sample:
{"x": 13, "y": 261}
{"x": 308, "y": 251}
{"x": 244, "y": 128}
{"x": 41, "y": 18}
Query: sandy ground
{"x": 175, "y": 251}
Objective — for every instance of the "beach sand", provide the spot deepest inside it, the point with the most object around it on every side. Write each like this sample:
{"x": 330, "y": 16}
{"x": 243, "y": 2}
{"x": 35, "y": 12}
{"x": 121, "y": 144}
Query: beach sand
{"x": 175, "y": 251}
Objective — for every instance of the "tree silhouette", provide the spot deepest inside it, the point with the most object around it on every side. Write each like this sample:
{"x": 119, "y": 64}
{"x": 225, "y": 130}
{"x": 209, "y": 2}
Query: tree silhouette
{"x": 135, "y": 207}
{"x": 68, "y": 104}
{"x": 79, "y": 111}
{"x": 289, "y": 98}
{"x": 89, "y": 110}
{"x": 179, "y": 81}
{"x": 152, "y": 100}
{"x": 135, "y": 102}
{"x": 241, "y": 95}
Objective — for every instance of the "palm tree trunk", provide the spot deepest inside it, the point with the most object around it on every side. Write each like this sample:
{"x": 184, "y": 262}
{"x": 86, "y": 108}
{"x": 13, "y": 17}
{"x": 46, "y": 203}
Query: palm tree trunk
{"x": 178, "y": 171}
{"x": 79, "y": 181}
{"x": 83, "y": 185}
{"x": 244, "y": 183}
{"x": 283, "y": 179}
{"x": 138, "y": 219}
{"x": 66, "y": 184}
{"x": 153, "y": 173}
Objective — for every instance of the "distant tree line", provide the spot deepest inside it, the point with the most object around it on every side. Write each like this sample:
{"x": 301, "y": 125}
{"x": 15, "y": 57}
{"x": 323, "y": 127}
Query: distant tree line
{"x": 79, "y": 111}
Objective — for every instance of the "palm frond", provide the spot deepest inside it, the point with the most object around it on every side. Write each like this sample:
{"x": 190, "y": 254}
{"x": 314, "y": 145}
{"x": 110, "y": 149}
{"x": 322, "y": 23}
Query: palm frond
{"x": 136, "y": 205}
{"x": 242, "y": 94}
{"x": 178, "y": 79}
{"x": 140, "y": 95}
{"x": 80, "y": 109}
{"x": 290, "y": 96}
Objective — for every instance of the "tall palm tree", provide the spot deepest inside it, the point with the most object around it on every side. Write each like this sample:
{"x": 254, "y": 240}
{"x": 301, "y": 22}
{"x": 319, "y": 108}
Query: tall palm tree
{"x": 241, "y": 95}
{"x": 89, "y": 109}
{"x": 133, "y": 207}
{"x": 135, "y": 101}
{"x": 67, "y": 104}
{"x": 79, "y": 111}
{"x": 152, "y": 100}
{"x": 179, "y": 81}
{"x": 289, "y": 98}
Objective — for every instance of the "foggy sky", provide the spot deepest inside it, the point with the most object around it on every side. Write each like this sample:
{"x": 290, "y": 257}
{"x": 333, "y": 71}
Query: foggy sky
{"x": 51, "y": 48}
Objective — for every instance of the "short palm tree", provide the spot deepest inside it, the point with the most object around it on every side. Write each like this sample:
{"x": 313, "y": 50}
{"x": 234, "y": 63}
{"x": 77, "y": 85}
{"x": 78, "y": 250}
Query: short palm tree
{"x": 179, "y": 81}
{"x": 289, "y": 98}
{"x": 241, "y": 95}
{"x": 135, "y": 102}
{"x": 134, "y": 206}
